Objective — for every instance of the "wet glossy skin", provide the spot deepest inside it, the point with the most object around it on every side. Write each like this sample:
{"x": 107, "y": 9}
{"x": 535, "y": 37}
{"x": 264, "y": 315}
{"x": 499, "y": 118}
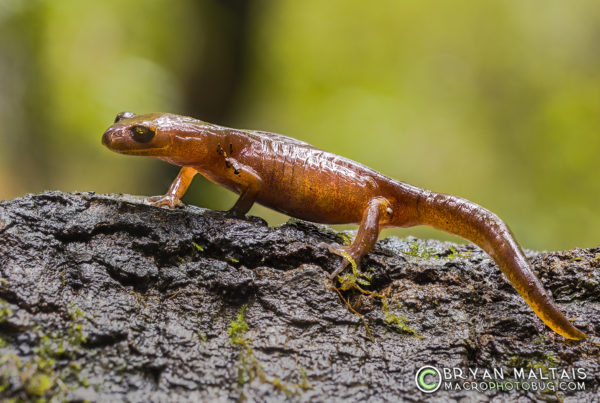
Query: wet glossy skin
{"x": 297, "y": 179}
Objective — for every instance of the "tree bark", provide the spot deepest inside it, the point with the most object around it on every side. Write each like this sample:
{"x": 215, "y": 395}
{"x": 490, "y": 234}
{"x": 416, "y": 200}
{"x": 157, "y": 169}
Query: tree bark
{"x": 105, "y": 298}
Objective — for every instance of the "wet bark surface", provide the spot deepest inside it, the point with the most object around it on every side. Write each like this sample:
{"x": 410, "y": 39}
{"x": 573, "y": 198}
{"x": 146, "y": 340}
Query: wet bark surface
{"x": 105, "y": 298}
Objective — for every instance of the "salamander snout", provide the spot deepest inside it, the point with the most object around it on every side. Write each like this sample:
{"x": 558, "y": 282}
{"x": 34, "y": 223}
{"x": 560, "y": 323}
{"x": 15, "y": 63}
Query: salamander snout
{"x": 106, "y": 137}
{"x": 115, "y": 139}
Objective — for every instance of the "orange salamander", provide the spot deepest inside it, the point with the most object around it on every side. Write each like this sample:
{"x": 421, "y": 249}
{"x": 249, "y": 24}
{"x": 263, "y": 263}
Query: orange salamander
{"x": 302, "y": 181}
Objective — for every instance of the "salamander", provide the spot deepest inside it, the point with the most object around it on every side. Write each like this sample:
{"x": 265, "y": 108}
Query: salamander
{"x": 302, "y": 181}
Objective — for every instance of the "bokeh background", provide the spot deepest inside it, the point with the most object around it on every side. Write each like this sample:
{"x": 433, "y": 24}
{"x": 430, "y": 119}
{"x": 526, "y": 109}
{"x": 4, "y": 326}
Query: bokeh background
{"x": 496, "y": 101}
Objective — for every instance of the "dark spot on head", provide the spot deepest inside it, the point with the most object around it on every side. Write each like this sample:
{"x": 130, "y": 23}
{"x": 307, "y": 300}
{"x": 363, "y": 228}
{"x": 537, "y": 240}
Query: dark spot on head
{"x": 124, "y": 115}
{"x": 141, "y": 134}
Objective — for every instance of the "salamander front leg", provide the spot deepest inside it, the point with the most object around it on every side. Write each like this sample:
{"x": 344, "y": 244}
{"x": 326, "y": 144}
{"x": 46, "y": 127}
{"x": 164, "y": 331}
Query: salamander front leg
{"x": 376, "y": 213}
{"x": 176, "y": 191}
{"x": 249, "y": 184}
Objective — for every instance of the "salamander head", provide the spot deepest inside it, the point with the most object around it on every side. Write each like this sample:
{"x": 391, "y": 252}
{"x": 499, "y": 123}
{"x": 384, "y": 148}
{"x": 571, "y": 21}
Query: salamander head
{"x": 139, "y": 134}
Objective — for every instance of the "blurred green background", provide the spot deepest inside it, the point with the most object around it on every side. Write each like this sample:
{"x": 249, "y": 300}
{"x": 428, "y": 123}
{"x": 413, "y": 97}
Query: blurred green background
{"x": 495, "y": 101}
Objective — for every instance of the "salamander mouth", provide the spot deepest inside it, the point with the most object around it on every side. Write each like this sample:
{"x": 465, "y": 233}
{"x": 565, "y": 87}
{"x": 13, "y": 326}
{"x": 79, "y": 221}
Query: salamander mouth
{"x": 146, "y": 151}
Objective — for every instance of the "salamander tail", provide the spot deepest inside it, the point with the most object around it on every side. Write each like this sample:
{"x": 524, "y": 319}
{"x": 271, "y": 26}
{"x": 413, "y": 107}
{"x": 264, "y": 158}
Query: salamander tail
{"x": 482, "y": 227}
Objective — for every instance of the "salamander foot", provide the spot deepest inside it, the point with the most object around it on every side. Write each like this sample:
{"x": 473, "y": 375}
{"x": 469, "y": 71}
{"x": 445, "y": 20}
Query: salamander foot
{"x": 165, "y": 201}
{"x": 235, "y": 213}
{"x": 342, "y": 251}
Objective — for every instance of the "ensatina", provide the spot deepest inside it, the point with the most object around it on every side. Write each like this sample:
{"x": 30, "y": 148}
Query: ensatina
{"x": 302, "y": 181}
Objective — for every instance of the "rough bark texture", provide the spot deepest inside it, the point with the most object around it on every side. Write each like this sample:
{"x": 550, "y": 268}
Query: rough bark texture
{"x": 105, "y": 298}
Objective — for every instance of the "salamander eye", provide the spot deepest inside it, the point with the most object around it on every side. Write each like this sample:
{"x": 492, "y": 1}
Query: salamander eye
{"x": 124, "y": 115}
{"x": 141, "y": 134}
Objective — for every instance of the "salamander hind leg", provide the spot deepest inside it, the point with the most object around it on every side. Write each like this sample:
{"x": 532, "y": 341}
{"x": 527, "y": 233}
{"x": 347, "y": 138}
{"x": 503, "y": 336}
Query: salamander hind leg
{"x": 376, "y": 214}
